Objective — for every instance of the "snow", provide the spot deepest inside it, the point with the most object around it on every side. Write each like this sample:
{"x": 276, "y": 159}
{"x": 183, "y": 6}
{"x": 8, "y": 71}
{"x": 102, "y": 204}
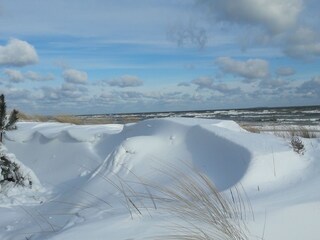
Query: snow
{"x": 84, "y": 174}
{"x": 14, "y": 194}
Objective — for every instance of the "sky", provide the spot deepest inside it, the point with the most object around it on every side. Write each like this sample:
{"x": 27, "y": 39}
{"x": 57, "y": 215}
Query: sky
{"x": 118, "y": 56}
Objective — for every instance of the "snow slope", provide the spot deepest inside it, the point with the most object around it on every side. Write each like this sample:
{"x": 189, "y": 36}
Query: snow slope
{"x": 86, "y": 171}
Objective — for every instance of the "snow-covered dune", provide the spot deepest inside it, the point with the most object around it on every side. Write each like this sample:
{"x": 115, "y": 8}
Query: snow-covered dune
{"x": 86, "y": 171}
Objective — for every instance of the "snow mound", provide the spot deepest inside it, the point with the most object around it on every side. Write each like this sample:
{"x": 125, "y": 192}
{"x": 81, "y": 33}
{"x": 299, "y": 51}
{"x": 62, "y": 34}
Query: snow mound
{"x": 138, "y": 146}
{"x": 92, "y": 174}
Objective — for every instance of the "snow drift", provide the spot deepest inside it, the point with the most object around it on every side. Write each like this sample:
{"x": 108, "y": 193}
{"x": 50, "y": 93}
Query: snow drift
{"x": 87, "y": 171}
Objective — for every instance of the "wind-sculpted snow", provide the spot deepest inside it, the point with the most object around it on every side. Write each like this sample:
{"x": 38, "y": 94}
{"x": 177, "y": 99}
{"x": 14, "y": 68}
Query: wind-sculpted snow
{"x": 91, "y": 173}
{"x": 224, "y": 161}
{"x": 139, "y": 146}
{"x": 61, "y": 132}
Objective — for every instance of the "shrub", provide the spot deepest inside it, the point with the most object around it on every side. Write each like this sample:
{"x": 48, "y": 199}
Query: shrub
{"x": 6, "y": 123}
{"x": 10, "y": 170}
{"x": 297, "y": 145}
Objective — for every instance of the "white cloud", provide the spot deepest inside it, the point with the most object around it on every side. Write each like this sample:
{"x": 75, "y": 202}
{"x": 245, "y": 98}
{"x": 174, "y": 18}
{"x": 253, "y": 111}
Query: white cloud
{"x": 50, "y": 94}
{"x": 17, "y": 76}
{"x": 75, "y": 76}
{"x": 303, "y": 43}
{"x": 208, "y": 83}
{"x": 14, "y": 94}
{"x": 289, "y": 25}
{"x": 203, "y": 82}
{"x": 273, "y": 15}
{"x": 310, "y": 88}
{"x": 285, "y": 71}
{"x": 126, "y": 81}
{"x": 274, "y": 84}
{"x": 225, "y": 89}
{"x": 14, "y": 75}
{"x": 130, "y": 95}
{"x": 250, "y": 69}
{"x": 73, "y": 91}
{"x": 66, "y": 92}
{"x": 17, "y": 53}
{"x": 33, "y": 76}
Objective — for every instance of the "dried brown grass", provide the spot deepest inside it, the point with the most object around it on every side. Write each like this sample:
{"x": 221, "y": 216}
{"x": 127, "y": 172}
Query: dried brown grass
{"x": 34, "y": 118}
{"x": 251, "y": 129}
{"x": 192, "y": 202}
{"x": 67, "y": 119}
{"x": 300, "y": 131}
{"x": 79, "y": 120}
{"x": 202, "y": 212}
{"x": 286, "y": 131}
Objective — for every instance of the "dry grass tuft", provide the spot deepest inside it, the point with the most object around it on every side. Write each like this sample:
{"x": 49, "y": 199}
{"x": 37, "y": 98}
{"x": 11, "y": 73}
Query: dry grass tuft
{"x": 192, "y": 201}
{"x": 251, "y": 129}
{"x": 34, "y": 118}
{"x": 203, "y": 213}
{"x": 285, "y": 131}
{"x": 67, "y": 119}
{"x": 303, "y": 132}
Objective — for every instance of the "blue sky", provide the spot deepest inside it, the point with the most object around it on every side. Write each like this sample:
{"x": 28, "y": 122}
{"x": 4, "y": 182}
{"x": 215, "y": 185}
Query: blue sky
{"x": 108, "y": 56}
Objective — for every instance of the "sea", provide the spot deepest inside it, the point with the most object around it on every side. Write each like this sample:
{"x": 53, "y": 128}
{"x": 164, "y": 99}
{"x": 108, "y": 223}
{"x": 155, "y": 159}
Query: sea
{"x": 301, "y": 115}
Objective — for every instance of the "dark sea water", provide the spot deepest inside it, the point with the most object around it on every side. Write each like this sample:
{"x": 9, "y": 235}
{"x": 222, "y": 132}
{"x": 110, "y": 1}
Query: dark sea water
{"x": 308, "y": 115}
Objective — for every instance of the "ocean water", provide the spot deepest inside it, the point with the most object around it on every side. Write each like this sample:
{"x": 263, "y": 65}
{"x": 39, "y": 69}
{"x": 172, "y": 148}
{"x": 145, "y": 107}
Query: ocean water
{"x": 308, "y": 115}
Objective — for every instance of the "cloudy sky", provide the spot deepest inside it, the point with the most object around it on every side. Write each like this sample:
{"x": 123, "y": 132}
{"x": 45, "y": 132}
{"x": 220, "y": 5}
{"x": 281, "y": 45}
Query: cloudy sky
{"x": 108, "y": 56}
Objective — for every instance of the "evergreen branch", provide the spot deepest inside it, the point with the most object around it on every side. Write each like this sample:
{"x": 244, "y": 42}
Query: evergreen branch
{"x": 2, "y": 112}
{"x": 12, "y": 120}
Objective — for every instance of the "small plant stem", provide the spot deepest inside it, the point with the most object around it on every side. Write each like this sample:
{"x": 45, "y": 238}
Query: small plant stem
{"x": 274, "y": 165}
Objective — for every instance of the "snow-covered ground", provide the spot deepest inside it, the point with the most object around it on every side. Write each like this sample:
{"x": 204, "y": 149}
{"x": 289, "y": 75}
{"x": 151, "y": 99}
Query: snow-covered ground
{"x": 91, "y": 179}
